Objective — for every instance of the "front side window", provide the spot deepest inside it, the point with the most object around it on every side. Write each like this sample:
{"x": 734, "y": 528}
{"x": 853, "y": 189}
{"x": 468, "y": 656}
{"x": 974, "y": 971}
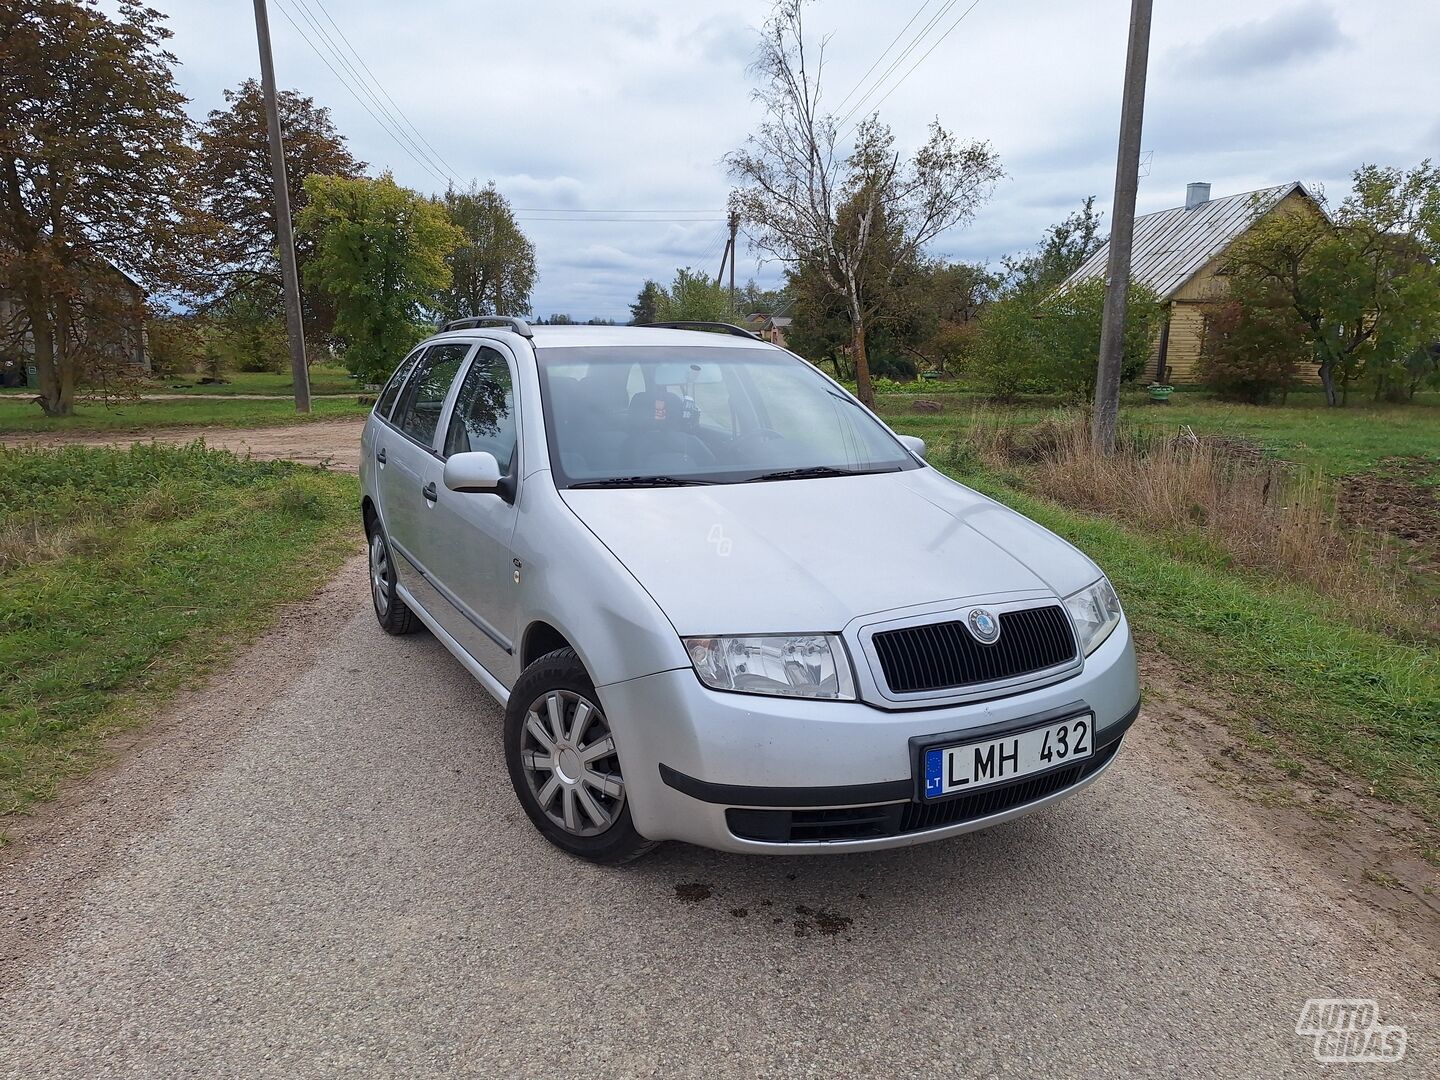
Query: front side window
{"x": 418, "y": 412}
{"x": 484, "y": 416}
{"x": 650, "y": 414}
{"x": 386, "y": 401}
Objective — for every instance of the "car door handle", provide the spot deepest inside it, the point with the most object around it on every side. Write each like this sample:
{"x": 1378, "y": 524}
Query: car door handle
{"x": 429, "y": 491}
{"x": 380, "y": 455}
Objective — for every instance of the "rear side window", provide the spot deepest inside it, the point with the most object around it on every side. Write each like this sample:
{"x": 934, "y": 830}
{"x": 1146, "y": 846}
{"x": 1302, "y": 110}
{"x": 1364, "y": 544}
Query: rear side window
{"x": 484, "y": 416}
{"x": 387, "y": 398}
{"x": 418, "y": 413}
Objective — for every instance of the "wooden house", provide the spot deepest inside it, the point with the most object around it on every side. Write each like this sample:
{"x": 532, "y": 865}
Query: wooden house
{"x": 1180, "y": 254}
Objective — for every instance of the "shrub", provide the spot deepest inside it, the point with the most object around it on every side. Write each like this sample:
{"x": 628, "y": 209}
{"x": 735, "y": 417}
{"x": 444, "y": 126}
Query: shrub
{"x": 1250, "y": 351}
{"x": 1069, "y": 335}
{"x": 1003, "y": 359}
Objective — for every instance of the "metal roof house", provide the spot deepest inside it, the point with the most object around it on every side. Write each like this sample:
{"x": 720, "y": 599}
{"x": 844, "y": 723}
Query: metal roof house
{"x": 1179, "y": 254}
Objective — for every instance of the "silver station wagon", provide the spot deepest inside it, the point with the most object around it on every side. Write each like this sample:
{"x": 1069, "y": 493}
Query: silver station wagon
{"x": 722, "y": 602}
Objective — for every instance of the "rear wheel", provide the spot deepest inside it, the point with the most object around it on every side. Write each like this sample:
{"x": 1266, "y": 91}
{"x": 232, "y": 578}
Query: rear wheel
{"x": 394, "y": 617}
{"x": 563, "y": 762}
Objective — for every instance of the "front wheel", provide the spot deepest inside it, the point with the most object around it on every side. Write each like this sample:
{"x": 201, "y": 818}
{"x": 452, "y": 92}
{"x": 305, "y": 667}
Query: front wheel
{"x": 563, "y": 763}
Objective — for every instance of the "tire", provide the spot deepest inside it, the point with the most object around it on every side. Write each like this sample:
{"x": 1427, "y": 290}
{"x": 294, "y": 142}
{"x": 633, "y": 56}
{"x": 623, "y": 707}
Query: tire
{"x": 390, "y": 611}
{"x": 588, "y": 816}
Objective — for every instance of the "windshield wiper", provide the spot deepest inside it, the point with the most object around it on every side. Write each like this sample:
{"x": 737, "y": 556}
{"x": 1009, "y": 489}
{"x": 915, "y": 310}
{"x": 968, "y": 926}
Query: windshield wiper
{"x": 813, "y": 471}
{"x": 640, "y": 481}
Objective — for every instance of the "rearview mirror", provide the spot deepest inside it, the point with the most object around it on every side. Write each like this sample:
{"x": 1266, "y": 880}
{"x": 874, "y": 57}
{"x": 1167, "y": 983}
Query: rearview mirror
{"x": 474, "y": 471}
{"x": 914, "y": 445}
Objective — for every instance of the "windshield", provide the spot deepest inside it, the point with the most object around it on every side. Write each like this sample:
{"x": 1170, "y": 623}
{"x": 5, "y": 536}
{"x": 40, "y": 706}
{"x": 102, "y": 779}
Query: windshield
{"x": 656, "y": 416}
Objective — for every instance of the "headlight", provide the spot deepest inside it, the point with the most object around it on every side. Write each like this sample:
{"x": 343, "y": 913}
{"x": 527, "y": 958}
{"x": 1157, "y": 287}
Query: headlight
{"x": 1095, "y": 610}
{"x": 787, "y": 665}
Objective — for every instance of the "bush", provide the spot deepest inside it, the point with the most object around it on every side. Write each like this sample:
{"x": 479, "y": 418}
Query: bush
{"x": 1250, "y": 351}
{"x": 1053, "y": 346}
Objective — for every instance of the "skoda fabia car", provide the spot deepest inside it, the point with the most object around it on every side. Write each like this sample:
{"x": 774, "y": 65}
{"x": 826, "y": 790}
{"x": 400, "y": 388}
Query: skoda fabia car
{"x": 723, "y": 603}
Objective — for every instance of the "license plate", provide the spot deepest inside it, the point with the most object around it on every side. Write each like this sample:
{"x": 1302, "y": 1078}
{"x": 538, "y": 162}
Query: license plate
{"x": 953, "y": 769}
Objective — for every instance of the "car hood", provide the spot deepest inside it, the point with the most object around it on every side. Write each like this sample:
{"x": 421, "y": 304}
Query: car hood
{"x": 811, "y": 555}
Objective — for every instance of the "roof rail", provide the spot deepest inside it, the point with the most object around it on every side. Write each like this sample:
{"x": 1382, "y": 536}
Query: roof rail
{"x": 728, "y": 328}
{"x": 519, "y": 325}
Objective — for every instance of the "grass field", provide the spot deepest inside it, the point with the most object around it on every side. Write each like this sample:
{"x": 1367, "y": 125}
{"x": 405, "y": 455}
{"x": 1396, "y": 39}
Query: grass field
{"x": 1308, "y": 680}
{"x": 1336, "y": 441}
{"x": 21, "y": 416}
{"x": 124, "y": 574}
{"x": 324, "y": 379}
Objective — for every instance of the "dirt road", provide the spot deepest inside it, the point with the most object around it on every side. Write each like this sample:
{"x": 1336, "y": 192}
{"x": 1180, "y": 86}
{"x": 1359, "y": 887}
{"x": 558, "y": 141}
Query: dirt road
{"x": 332, "y": 443}
{"x": 315, "y": 867}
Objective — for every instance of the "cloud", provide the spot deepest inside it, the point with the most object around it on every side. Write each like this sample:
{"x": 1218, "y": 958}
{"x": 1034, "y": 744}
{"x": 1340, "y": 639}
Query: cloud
{"x": 1288, "y": 37}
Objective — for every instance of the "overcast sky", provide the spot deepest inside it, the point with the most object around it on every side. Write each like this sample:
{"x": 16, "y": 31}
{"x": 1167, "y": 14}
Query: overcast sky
{"x": 631, "y": 105}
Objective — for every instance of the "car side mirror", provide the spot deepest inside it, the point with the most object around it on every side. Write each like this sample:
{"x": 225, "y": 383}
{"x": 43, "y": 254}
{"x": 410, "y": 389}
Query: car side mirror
{"x": 914, "y": 445}
{"x": 474, "y": 471}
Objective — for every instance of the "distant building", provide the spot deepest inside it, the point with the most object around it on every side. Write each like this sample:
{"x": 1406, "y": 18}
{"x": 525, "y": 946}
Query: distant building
{"x": 773, "y": 328}
{"x": 125, "y": 339}
{"x": 1179, "y": 254}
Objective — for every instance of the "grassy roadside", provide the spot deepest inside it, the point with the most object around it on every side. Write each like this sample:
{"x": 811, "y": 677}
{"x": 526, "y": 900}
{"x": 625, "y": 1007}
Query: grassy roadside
{"x": 1334, "y": 441}
{"x": 1310, "y": 685}
{"x": 125, "y": 573}
{"x": 21, "y": 417}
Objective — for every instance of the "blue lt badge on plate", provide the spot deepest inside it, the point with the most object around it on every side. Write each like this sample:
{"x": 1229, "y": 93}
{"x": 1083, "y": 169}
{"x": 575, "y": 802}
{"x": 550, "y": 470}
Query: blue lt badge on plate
{"x": 934, "y": 773}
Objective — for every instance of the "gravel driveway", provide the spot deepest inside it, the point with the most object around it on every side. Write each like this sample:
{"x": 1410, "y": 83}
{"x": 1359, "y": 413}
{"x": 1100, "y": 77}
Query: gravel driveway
{"x": 315, "y": 867}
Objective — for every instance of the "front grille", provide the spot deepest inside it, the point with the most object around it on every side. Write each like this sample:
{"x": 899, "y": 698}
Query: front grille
{"x": 943, "y": 656}
{"x": 892, "y": 819}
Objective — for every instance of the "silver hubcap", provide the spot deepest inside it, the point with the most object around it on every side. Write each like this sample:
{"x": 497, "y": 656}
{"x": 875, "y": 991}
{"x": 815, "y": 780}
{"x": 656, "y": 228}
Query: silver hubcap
{"x": 569, "y": 760}
{"x": 379, "y": 575}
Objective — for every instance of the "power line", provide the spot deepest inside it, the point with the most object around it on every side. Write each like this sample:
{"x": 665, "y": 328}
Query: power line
{"x": 922, "y": 59}
{"x": 393, "y": 126}
{"x": 381, "y": 86}
{"x": 361, "y": 101}
{"x": 900, "y": 58}
{"x": 882, "y": 56}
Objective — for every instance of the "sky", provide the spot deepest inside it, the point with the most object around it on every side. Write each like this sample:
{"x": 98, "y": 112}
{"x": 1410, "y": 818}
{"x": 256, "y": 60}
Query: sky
{"x": 583, "y": 113}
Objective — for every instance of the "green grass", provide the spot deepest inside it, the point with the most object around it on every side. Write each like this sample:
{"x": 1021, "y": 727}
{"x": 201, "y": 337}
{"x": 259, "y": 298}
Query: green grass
{"x": 324, "y": 379}
{"x": 1335, "y": 441}
{"x": 21, "y": 416}
{"x": 124, "y": 574}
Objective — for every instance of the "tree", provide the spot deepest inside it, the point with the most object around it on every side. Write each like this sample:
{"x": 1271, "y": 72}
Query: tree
{"x": 493, "y": 271}
{"x": 1250, "y": 351}
{"x": 1050, "y": 347}
{"x": 646, "y": 307}
{"x": 93, "y": 162}
{"x": 252, "y": 331}
{"x": 807, "y": 199}
{"x": 235, "y": 188}
{"x": 1066, "y": 246}
{"x": 1365, "y": 285}
{"x": 1068, "y": 326}
{"x": 693, "y": 297}
{"x": 380, "y": 254}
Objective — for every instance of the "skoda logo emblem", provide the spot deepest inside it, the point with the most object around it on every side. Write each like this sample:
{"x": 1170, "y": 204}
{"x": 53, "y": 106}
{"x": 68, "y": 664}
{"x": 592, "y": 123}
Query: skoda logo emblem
{"x": 984, "y": 625}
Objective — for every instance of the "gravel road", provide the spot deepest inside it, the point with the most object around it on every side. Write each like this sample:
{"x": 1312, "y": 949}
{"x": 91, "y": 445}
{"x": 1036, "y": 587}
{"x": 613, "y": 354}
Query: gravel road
{"x": 314, "y": 866}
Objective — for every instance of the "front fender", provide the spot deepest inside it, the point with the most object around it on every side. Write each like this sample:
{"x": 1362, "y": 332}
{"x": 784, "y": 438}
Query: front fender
{"x": 574, "y": 583}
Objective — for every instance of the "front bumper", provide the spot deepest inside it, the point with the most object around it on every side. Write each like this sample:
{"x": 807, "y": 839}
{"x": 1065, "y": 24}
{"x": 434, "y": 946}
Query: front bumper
{"x": 713, "y": 768}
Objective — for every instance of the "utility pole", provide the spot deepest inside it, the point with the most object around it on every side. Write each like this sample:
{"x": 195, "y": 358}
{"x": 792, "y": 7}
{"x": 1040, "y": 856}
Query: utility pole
{"x": 300, "y": 372}
{"x": 1122, "y": 232}
{"x": 734, "y": 228}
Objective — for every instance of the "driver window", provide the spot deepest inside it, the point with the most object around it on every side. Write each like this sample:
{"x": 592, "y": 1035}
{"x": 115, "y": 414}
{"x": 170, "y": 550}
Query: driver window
{"x": 484, "y": 417}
